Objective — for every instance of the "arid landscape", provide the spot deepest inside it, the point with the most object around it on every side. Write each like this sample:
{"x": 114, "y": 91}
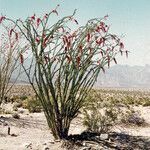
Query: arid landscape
{"x": 74, "y": 75}
{"x": 29, "y": 130}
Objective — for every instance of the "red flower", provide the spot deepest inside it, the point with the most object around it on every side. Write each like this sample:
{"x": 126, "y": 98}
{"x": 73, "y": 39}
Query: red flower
{"x": 2, "y": 18}
{"x": 102, "y": 23}
{"x": 102, "y": 40}
{"x": 80, "y": 48}
{"x": 97, "y": 29}
{"x": 46, "y": 39}
{"x": 66, "y": 48}
{"x": 10, "y": 33}
{"x": 43, "y": 35}
{"x": 106, "y": 16}
{"x": 38, "y": 21}
{"x": 21, "y": 59}
{"x": 65, "y": 39}
{"x": 78, "y": 60}
{"x": 98, "y": 62}
{"x": 46, "y": 16}
{"x": 55, "y": 11}
{"x": 88, "y": 37}
{"x": 46, "y": 59}
{"x": 37, "y": 39}
{"x": 44, "y": 44}
{"x": 68, "y": 58}
{"x": 33, "y": 17}
{"x": 16, "y": 35}
{"x": 121, "y": 45}
{"x": 68, "y": 44}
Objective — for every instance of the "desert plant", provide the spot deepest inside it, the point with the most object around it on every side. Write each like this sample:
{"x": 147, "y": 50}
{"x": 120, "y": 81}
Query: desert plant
{"x": 8, "y": 59}
{"x": 64, "y": 64}
{"x": 99, "y": 114}
{"x": 32, "y": 104}
{"x": 99, "y": 121}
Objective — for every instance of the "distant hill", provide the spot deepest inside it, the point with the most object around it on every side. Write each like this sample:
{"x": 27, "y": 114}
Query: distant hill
{"x": 125, "y": 76}
{"x": 118, "y": 76}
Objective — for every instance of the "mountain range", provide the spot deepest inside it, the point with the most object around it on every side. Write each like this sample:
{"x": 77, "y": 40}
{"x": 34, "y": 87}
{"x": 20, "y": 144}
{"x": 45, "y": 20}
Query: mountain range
{"x": 125, "y": 76}
{"x": 119, "y": 76}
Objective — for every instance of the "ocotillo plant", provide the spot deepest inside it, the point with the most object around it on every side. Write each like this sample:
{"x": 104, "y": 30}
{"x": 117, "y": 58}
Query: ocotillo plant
{"x": 8, "y": 59}
{"x": 65, "y": 63}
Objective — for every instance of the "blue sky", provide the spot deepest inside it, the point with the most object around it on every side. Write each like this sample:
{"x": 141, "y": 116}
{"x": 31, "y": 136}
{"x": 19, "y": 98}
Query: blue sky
{"x": 128, "y": 17}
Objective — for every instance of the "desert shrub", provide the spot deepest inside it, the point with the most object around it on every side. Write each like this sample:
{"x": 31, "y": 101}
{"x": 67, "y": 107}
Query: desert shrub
{"x": 9, "y": 57}
{"x": 133, "y": 118}
{"x": 102, "y": 111}
{"x": 66, "y": 63}
{"x": 15, "y": 108}
{"x": 32, "y": 104}
{"x": 7, "y": 112}
{"x": 146, "y": 102}
{"x": 18, "y": 104}
{"x": 1, "y": 110}
{"x": 129, "y": 100}
{"x": 97, "y": 121}
{"x": 99, "y": 115}
{"x": 23, "y": 97}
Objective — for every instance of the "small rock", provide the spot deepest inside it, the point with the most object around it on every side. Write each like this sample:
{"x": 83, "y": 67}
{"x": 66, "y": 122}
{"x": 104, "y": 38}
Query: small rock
{"x": 85, "y": 148}
{"x": 45, "y": 143}
{"x": 104, "y": 136}
{"x": 16, "y": 116}
{"x": 84, "y": 144}
{"x": 46, "y": 148}
{"x": 21, "y": 111}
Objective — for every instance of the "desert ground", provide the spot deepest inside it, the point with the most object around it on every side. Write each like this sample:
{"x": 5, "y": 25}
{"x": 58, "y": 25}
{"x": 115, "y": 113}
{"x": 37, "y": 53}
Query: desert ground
{"x": 30, "y": 131}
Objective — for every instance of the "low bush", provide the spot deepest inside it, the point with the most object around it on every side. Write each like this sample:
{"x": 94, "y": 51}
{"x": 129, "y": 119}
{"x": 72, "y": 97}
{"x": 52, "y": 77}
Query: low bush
{"x": 32, "y": 104}
{"x": 99, "y": 115}
{"x": 97, "y": 121}
{"x": 102, "y": 111}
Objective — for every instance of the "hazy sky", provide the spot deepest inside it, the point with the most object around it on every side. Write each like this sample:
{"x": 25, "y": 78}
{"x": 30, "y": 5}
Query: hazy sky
{"x": 128, "y": 17}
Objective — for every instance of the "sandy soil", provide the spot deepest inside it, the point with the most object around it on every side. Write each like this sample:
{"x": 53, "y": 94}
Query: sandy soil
{"x": 31, "y": 131}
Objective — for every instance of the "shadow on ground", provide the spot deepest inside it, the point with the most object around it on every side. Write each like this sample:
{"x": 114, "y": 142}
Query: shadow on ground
{"x": 22, "y": 122}
{"x": 116, "y": 141}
